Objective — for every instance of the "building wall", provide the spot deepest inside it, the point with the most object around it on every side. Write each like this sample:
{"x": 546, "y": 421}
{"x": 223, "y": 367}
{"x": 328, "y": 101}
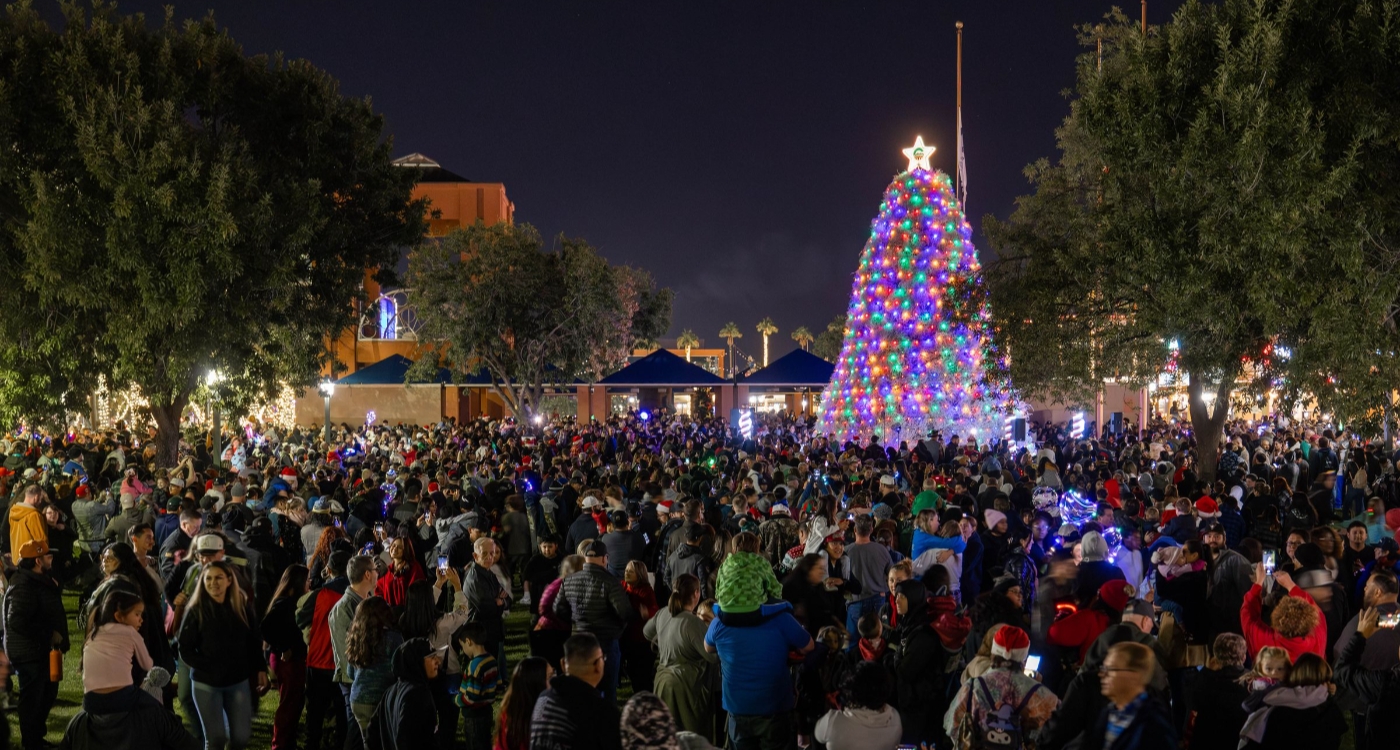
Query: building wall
{"x": 391, "y": 404}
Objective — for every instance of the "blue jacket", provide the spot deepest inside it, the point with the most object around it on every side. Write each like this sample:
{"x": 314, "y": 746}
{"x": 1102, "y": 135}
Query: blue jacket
{"x": 924, "y": 541}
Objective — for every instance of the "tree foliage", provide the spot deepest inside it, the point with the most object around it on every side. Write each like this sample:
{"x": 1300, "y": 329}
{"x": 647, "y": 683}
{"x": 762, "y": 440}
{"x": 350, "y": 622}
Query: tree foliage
{"x": 827, "y": 344}
{"x": 171, "y": 206}
{"x": 1205, "y": 193}
{"x": 493, "y": 298}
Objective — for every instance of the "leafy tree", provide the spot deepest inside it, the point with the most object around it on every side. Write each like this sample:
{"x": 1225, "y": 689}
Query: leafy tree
{"x": 766, "y": 328}
{"x": 803, "y": 337}
{"x": 494, "y": 298}
{"x": 827, "y": 344}
{"x": 729, "y": 332}
{"x": 171, "y": 206}
{"x": 687, "y": 340}
{"x": 1203, "y": 195}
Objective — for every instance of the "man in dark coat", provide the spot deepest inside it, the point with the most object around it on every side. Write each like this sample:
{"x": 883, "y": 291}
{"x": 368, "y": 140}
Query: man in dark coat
{"x": 35, "y": 624}
{"x": 571, "y": 714}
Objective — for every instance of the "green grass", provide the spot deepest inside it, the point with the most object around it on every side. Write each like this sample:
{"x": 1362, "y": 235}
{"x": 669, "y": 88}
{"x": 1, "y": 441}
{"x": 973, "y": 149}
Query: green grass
{"x": 70, "y": 690}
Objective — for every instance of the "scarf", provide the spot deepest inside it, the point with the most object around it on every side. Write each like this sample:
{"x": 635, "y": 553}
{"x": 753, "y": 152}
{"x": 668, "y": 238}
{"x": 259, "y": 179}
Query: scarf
{"x": 1287, "y": 697}
{"x": 872, "y": 652}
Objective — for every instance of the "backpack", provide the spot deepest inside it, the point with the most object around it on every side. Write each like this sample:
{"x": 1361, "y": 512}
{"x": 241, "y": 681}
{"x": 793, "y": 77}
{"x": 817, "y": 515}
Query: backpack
{"x": 999, "y": 729}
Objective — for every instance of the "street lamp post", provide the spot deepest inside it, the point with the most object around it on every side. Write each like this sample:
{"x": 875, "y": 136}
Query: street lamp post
{"x": 328, "y": 390}
{"x": 213, "y": 379}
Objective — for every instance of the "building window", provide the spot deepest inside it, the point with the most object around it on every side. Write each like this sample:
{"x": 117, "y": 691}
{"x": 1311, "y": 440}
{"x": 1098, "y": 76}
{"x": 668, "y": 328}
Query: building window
{"x": 388, "y": 318}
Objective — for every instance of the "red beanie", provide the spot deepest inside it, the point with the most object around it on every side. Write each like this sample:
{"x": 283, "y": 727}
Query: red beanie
{"x": 1116, "y": 594}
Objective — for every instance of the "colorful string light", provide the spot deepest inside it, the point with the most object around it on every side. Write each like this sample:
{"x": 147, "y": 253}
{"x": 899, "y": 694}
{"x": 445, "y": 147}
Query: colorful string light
{"x": 917, "y": 336}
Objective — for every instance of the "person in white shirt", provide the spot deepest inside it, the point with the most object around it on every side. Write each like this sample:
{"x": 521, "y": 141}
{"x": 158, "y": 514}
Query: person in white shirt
{"x": 1131, "y": 561}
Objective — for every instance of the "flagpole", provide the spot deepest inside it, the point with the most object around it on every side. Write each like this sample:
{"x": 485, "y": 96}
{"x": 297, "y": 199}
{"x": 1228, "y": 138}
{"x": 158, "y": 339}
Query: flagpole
{"x": 960, "y": 167}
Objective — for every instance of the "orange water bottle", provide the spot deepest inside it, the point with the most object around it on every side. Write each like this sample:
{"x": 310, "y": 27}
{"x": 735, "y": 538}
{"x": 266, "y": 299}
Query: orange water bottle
{"x": 55, "y": 666}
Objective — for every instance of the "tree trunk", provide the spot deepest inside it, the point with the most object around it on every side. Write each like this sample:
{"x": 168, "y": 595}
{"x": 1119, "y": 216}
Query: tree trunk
{"x": 168, "y": 432}
{"x": 1208, "y": 422}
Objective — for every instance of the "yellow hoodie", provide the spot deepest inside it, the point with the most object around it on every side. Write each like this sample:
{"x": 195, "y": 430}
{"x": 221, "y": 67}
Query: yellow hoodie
{"x": 26, "y": 523}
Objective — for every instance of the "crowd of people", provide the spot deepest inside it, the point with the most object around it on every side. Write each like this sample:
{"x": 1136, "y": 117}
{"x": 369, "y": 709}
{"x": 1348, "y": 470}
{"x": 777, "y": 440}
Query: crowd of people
{"x": 776, "y": 591}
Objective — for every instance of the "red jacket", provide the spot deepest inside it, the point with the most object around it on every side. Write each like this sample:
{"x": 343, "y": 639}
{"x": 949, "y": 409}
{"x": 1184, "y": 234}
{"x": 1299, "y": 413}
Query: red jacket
{"x": 318, "y": 650}
{"x": 1258, "y": 634}
{"x": 393, "y": 588}
{"x": 1079, "y": 630}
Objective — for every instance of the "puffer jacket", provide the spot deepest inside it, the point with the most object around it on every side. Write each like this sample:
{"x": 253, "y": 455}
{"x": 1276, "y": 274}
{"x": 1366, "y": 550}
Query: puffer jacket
{"x": 33, "y": 613}
{"x": 139, "y": 729}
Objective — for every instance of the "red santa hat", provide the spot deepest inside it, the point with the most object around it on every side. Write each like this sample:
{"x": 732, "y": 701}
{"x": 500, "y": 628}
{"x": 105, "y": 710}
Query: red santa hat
{"x": 1167, "y": 516}
{"x": 1116, "y": 594}
{"x": 1206, "y": 508}
{"x": 288, "y": 471}
{"x": 1011, "y": 643}
{"x": 432, "y": 486}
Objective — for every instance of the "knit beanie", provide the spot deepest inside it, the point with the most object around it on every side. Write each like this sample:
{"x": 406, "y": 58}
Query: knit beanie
{"x": 745, "y": 582}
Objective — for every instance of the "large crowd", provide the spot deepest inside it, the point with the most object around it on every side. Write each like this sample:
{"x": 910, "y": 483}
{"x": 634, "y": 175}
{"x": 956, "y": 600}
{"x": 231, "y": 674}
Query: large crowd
{"x": 771, "y": 591}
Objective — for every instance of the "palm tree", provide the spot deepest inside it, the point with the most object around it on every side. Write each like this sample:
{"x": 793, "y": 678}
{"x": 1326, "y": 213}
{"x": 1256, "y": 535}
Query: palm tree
{"x": 803, "y": 337}
{"x": 686, "y": 340}
{"x": 766, "y": 328}
{"x": 730, "y": 332}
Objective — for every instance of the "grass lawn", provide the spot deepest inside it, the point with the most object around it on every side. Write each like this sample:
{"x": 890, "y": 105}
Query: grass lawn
{"x": 70, "y": 691}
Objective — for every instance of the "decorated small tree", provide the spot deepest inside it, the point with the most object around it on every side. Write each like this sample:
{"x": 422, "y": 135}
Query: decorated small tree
{"x": 916, "y": 340}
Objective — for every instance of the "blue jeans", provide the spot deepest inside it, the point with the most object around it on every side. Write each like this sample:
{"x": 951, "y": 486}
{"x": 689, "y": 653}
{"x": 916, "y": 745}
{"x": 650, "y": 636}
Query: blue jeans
{"x": 612, "y": 669}
{"x": 225, "y": 714}
{"x": 854, "y": 610}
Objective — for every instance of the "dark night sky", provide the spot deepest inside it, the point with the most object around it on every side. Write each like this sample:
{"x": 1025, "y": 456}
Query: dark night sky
{"x": 737, "y": 150}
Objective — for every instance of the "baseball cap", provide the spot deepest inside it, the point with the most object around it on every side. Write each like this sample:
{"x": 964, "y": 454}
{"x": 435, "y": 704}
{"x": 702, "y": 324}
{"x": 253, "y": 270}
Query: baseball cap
{"x": 596, "y": 548}
{"x": 1214, "y": 527}
{"x": 592, "y": 501}
{"x": 34, "y": 549}
{"x": 209, "y": 543}
{"x": 887, "y": 480}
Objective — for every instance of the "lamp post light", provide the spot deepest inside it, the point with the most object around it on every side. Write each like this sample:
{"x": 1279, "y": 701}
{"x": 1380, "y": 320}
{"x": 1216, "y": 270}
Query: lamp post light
{"x": 212, "y": 380}
{"x": 327, "y": 388}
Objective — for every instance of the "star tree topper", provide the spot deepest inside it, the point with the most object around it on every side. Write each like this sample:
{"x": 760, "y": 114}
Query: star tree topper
{"x": 918, "y": 154}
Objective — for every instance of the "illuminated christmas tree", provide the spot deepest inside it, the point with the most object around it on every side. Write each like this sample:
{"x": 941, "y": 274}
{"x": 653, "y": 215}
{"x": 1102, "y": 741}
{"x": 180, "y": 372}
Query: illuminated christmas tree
{"x": 917, "y": 335}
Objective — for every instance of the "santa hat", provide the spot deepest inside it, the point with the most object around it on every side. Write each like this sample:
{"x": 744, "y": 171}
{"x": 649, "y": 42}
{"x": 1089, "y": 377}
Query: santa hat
{"x": 780, "y": 509}
{"x": 432, "y": 486}
{"x": 82, "y": 491}
{"x": 288, "y": 471}
{"x": 1167, "y": 516}
{"x": 1206, "y": 508}
{"x": 664, "y": 506}
{"x": 1011, "y": 643}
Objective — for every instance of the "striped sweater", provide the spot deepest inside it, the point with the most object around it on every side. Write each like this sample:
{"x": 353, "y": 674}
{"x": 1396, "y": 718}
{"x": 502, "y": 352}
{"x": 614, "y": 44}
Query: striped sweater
{"x": 480, "y": 683}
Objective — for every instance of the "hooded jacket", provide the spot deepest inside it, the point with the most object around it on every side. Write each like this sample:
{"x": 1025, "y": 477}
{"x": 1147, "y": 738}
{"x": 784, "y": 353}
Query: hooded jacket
{"x": 26, "y": 524}
{"x": 406, "y": 716}
{"x": 33, "y": 613}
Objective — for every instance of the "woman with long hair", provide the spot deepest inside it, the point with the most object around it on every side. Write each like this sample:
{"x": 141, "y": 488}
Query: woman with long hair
{"x": 636, "y": 651}
{"x": 684, "y": 669}
{"x": 422, "y": 618}
{"x": 284, "y": 640}
{"x": 805, "y": 589}
{"x": 369, "y": 649}
{"x": 121, "y": 569}
{"x": 531, "y": 677}
{"x": 221, "y": 642}
{"x": 404, "y": 570}
{"x": 316, "y": 563}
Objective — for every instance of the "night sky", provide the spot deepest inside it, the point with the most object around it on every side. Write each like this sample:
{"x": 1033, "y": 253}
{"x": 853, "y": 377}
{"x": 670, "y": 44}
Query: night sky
{"x": 737, "y": 150}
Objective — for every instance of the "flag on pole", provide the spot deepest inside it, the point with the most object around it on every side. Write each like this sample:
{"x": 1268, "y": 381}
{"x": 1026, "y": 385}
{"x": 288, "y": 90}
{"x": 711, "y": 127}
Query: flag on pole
{"x": 962, "y": 166}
